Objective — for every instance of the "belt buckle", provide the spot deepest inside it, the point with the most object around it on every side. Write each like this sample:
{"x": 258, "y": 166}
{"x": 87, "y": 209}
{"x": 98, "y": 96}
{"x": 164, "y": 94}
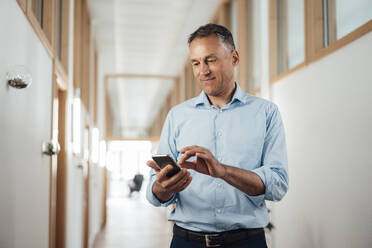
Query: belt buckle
{"x": 209, "y": 241}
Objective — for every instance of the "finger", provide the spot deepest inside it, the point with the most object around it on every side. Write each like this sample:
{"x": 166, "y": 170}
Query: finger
{"x": 180, "y": 185}
{"x": 184, "y": 185}
{"x": 162, "y": 175}
{"x": 188, "y": 165}
{"x": 203, "y": 156}
{"x": 186, "y": 156}
{"x": 187, "y": 183}
{"x": 180, "y": 176}
{"x": 186, "y": 148}
{"x": 152, "y": 164}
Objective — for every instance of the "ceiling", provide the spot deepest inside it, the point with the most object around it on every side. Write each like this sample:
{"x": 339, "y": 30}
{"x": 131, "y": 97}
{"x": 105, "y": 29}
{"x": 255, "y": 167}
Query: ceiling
{"x": 143, "y": 37}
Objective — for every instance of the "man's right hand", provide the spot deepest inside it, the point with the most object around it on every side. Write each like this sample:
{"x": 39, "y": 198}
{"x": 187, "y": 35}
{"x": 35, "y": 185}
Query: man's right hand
{"x": 164, "y": 188}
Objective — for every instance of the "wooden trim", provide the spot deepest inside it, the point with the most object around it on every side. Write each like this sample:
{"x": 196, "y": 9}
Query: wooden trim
{"x": 354, "y": 35}
{"x": 49, "y": 22}
{"x": 332, "y": 21}
{"x": 151, "y": 138}
{"x": 65, "y": 34}
{"x": 108, "y": 114}
{"x": 128, "y": 75}
{"x": 188, "y": 80}
{"x": 86, "y": 208}
{"x": 222, "y": 15}
{"x": 61, "y": 210}
{"x": 23, "y": 5}
{"x": 283, "y": 38}
{"x": 77, "y": 43}
{"x": 250, "y": 47}
{"x": 53, "y": 170}
{"x": 95, "y": 87}
{"x": 242, "y": 44}
{"x": 286, "y": 73}
{"x": 314, "y": 35}
{"x": 86, "y": 183}
{"x": 177, "y": 89}
{"x": 273, "y": 38}
{"x": 58, "y": 174}
{"x": 39, "y": 32}
{"x": 86, "y": 80}
{"x": 62, "y": 79}
{"x": 362, "y": 30}
{"x": 105, "y": 196}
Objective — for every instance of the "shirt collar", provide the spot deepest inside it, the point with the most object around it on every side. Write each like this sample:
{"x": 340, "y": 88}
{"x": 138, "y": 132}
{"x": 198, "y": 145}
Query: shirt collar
{"x": 239, "y": 95}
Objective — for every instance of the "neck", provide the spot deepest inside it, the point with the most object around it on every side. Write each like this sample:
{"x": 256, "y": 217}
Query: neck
{"x": 223, "y": 99}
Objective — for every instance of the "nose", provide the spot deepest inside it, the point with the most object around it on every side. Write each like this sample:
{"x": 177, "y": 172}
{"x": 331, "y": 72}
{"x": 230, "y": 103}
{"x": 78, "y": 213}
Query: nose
{"x": 204, "y": 69}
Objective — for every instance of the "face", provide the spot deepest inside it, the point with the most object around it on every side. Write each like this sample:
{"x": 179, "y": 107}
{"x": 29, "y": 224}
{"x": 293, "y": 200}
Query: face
{"x": 213, "y": 65}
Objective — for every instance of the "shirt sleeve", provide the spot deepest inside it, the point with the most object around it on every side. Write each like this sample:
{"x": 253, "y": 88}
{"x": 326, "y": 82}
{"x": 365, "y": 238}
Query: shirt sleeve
{"x": 274, "y": 169}
{"x": 166, "y": 146}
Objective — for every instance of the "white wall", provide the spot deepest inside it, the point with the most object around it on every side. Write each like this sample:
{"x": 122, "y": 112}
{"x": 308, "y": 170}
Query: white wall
{"x": 327, "y": 113}
{"x": 25, "y": 122}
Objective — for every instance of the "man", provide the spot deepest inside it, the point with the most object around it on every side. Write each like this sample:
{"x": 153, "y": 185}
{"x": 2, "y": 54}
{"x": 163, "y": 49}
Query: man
{"x": 234, "y": 147}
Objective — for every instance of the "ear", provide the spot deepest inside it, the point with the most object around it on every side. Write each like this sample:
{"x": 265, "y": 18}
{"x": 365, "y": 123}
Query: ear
{"x": 235, "y": 58}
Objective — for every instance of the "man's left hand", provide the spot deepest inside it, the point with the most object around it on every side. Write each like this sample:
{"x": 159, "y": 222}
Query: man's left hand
{"x": 204, "y": 163}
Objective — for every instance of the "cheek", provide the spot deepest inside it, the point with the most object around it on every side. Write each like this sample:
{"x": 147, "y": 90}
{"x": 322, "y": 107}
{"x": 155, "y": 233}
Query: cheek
{"x": 195, "y": 71}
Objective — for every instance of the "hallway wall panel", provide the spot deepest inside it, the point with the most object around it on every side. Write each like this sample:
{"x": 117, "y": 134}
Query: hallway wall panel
{"x": 25, "y": 122}
{"x": 327, "y": 112}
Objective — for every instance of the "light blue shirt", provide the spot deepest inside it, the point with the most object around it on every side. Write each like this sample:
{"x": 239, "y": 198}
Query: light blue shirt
{"x": 246, "y": 133}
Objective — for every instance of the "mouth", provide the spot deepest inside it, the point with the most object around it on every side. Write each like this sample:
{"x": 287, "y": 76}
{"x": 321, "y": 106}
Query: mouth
{"x": 207, "y": 79}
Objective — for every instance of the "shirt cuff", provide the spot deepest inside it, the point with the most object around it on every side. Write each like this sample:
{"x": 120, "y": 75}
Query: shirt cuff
{"x": 151, "y": 197}
{"x": 259, "y": 200}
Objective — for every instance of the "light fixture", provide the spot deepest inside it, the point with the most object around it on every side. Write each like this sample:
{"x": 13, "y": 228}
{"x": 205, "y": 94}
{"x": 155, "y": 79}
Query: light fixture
{"x": 18, "y": 76}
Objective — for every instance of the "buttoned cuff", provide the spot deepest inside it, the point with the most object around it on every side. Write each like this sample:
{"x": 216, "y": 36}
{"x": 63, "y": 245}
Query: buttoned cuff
{"x": 151, "y": 197}
{"x": 259, "y": 200}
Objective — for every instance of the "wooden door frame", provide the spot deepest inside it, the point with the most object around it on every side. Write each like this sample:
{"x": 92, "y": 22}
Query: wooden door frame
{"x": 57, "y": 194}
{"x": 86, "y": 197}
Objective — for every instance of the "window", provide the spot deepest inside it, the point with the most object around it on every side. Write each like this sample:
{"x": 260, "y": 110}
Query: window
{"x": 341, "y": 17}
{"x": 291, "y": 34}
{"x": 62, "y": 32}
{"x": 254, "y": 48}
{"x": 37, "y": 9}
{"x": 50, "y": 20}
{"x": 303, "y": 31}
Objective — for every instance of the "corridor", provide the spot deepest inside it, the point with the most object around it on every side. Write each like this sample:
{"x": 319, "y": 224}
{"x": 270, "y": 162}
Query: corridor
{"x": 133, "y": 222}
{"x": 90, "y": 90}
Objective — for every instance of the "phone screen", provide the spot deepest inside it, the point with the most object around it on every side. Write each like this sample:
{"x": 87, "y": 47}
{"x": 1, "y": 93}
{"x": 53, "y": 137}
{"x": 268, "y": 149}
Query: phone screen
{"x": 163, "y": 160}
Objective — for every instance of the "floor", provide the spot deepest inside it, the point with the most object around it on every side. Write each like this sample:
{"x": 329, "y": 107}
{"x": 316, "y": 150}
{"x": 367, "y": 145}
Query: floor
{"x": 133, "y": 222}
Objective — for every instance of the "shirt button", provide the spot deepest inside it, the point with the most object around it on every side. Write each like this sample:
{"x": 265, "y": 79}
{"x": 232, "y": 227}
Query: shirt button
{"x": 219, "y": 133}
{"x": 218, "y": 211}
{"x": 219, "y": 185}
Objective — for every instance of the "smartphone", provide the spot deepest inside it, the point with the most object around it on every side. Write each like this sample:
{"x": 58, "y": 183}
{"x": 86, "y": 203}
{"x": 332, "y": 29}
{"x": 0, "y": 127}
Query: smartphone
{"x": 164, "y": 159}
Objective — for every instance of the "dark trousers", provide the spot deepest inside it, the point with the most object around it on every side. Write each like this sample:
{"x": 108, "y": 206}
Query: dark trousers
{"x": 255, "y": 241}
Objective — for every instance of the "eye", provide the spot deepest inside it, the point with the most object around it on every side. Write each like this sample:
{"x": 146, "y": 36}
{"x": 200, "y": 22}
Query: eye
{"x": 195, "y": 63}
{"x": 211, "y": 60}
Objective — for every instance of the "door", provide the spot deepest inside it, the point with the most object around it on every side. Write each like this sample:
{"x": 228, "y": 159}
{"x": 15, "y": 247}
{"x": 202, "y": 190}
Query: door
{"x": 25, "y": 122}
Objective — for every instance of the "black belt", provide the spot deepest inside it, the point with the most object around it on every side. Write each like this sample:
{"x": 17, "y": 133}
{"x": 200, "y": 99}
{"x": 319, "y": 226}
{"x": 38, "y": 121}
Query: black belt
{"x": 216, "y": 239}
